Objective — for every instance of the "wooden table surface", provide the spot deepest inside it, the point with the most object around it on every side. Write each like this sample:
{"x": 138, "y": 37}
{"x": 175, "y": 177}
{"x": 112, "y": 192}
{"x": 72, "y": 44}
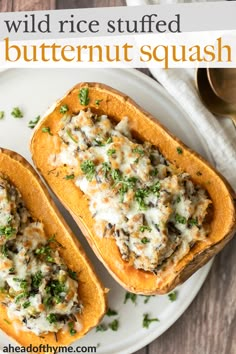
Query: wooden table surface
{"x": 209, "y": 324}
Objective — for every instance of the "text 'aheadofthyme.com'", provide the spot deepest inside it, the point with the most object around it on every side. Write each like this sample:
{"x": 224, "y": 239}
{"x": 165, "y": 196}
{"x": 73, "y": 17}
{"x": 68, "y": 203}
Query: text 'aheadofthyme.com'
{"x": 45, "y": 348}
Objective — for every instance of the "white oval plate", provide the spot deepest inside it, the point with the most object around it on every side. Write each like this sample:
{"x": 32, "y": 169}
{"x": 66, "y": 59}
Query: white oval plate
{"x": 34, "y": 91}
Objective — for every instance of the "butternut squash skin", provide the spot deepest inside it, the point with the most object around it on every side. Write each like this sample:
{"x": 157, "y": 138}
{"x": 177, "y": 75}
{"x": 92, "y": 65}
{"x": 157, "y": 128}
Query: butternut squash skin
{"x": 146, "y": 128}
{"x": 41, "y": 206}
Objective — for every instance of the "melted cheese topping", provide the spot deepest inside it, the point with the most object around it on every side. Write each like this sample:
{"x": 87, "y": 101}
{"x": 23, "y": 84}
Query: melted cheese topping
{"x": 37, "y": 287}
{"x": 151, "y": 208}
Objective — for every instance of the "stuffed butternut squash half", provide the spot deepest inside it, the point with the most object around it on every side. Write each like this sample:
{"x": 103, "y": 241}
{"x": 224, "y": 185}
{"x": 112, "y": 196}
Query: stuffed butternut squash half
{"x": 152, "y": 210}
{"x": 49, "y": 293}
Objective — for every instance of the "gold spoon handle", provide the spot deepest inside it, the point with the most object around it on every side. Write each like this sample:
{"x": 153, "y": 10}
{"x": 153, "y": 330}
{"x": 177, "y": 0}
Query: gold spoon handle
{"x": 233, "y": 118}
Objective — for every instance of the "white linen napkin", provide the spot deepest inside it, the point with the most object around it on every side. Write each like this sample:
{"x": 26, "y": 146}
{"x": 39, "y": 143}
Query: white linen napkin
{"x": 219, "y": 134}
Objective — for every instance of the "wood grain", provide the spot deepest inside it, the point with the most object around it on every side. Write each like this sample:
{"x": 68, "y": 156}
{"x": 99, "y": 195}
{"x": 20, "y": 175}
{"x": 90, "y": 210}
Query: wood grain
{"x": 72, "y": 4}
{"x": 30, "y": 5}
{"x": 209, "y": 325}
{"x": 6, "y": 5}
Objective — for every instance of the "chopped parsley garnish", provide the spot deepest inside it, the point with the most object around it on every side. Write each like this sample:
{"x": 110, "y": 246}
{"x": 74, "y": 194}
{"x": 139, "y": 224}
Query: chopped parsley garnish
{"x": 23, "y": 282}
{"x": 18, "y": 280}
{"x": 130, "y": 181}
{"x": 88, "y": 168}
{"x": 147, "y": 298}
{"x": 126, "y": 184}
{"x": 154, "y": 172}
{"x": 47, "y": 301}
{"x": 7, "y": 231}
{"x": 72, "y": 274}
{"x": 145, "y": 240}
{"x": 68, "y": 132}
{"x": 144, "y": 228}
{"x": 21, "y": 296}
{"x": 193, "y": 222}
{"x": 72, "y": 330}
{"x": 98, "y": 142}
{"x": 55, "y": 293}
{"x": 111, "y": 152}
{"x": 180, "y": 219}
{"x": 106, "y": 168}
{"x": 17, "y": 113}
{"x": 116, "y": 175}
{"x": 130, "y": 296}
{"x": 46, "y": 252}
{"x": 101, "y": 328}
{"x": 178, "y": 199}
{"x": 57, "y": 287}
{"x": 46, "y": 130}
{"x": 64, "y": 108}
{"x": 36, "y": 280}
{"x": 2, "y": 114}
{"x": 12, "y": 270}
{"x": 139, "y": 151}
{"x": 72, "y": 176}
{"x": 7, "y": 321}
{"x": 52, "y": 318}
{"x": 179, "y": 150}
{"x": 147, "y": 321}
{"x": 140, "y": 195}
{"x": 9, "y": 219}
{"x": 26, "y": 304}
{"x": 32, "y": 123}
{"x": 173, "y": 296}
{"x": 111, "y": 312}
{"x": 122, "y": 191}
{"x": 97, "y": 102}
{"x": 155, "y": 189}
{"x": 109, "y": 140}
{"x": 4, "y": 250}
{"x": 114, "y": 325}
{"x": 83, "y": 96}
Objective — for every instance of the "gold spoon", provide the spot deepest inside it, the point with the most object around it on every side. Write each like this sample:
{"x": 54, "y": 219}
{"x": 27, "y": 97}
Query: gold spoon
{"x": 214, "y": 104}
{"x": 223, "y": 83}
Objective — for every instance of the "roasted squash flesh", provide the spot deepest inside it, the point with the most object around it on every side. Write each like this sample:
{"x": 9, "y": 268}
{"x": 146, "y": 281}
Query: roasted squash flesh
{"x": 42, "y": 208}
{"x": 144, "y": 128}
